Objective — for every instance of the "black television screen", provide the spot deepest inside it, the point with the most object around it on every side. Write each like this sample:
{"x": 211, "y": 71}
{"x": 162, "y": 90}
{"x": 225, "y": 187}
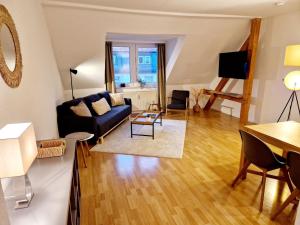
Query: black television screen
{"x": 233, "y": 65}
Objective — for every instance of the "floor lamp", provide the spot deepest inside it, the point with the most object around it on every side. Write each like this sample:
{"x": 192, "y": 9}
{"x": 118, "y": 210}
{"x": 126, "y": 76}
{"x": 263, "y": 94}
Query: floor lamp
{"x": 72, "y": 71}
{"x": 292, "y": 79}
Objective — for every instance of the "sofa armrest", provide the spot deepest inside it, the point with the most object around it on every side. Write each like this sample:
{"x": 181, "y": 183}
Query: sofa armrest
{"x": 128, "y": 101}
{"x": 73, "y": 123}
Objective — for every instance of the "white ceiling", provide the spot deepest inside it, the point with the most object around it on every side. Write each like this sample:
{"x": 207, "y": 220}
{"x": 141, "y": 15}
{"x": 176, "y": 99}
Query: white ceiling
{"x": 253, "y": 8}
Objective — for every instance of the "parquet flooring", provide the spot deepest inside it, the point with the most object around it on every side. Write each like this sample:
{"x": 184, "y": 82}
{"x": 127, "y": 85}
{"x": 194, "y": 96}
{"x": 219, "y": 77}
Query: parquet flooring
{"x": 133, "y": 190}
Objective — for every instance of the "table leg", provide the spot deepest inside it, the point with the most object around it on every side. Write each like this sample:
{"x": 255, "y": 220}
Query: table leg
{"x": 87, "y": 148}
{"x": 82, "y": 152}
{"x": 284, "y": 155}
{"x": 131, "y": 130}
{"x": 161, "y": 119}
{"x": 242, "y": 162}
{"x": 153, "y": 131}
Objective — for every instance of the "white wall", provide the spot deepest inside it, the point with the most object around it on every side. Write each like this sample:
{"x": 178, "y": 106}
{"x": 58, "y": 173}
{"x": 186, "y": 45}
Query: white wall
{"x": 40, "y": 89}
{"x": 78, "y": 37}
{"x": 269, "y": 93}
{"x": 79, "y": 93}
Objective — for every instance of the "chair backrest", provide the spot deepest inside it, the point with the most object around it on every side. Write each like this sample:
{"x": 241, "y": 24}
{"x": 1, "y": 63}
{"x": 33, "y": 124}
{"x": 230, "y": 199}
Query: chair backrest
{"x": 293, "y": 161}
{"x": 179, "y": 96}
{"x": 256, "y": 151}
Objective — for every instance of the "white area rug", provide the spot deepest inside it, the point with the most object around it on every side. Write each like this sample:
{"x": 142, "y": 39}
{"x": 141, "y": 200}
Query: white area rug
{"x": 168, "y": 141}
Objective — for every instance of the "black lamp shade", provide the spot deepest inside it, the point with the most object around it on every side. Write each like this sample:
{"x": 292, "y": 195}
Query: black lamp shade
{"x": 73, "y": 71}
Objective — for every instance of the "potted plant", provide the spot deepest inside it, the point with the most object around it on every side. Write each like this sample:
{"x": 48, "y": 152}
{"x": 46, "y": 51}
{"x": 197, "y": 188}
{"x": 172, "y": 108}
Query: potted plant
{"x": 196, "y": 92}
{"x": 141, "y": 82}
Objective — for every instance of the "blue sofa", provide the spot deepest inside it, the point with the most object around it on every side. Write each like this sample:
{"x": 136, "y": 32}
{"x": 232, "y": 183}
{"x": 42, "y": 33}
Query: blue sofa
{"x": 68, "y": 122}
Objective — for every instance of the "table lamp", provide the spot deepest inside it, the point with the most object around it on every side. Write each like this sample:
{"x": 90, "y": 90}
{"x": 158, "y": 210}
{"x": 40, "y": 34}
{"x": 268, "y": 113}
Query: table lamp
{"x": 18, "y": 150}
{"x": 292, "y": 79}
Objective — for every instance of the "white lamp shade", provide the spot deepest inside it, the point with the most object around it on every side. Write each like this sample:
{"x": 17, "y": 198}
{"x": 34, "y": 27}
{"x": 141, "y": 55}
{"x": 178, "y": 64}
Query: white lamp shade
{"x": 292, "y": 55}
{"x": 292, "y": 80}
{"x": 17, "y": 149}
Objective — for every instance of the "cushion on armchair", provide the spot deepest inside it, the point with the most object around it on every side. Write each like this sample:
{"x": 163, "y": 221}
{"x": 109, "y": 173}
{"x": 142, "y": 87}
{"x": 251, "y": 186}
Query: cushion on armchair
{"x": 176, "y": 106}
{"x": 179, "y": 96}
{"x": 178, "y": 99}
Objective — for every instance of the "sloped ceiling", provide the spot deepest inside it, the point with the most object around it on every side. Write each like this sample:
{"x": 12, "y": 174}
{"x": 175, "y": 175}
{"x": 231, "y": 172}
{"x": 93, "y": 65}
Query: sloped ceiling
{"x": 78, "y": 38}
{"x": 234, "y": 7}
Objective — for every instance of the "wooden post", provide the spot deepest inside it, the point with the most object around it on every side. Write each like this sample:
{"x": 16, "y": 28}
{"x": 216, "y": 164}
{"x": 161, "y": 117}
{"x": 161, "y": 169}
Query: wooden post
{"x": 248, "y": 83}
{"x": 249, "y": 45}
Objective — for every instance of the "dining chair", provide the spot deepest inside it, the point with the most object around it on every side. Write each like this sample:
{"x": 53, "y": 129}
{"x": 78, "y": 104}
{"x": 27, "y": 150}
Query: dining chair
{"x": 293, "y": 163}
{"x": 256, "y": 152}
{"x": 179, "y": 102}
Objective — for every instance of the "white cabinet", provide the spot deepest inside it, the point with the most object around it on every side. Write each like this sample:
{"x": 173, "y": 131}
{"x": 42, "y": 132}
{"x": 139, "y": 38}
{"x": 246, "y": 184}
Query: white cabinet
{"x": 141, "y": 99}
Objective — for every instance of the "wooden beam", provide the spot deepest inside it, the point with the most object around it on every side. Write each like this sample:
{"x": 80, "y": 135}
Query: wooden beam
{"x": 245, "y": 45}
{"x": 213, "y": 97}
{"x": 248, "y": 83}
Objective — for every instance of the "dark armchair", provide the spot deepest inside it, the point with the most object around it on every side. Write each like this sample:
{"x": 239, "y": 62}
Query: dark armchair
{"x": 179, "y": 101}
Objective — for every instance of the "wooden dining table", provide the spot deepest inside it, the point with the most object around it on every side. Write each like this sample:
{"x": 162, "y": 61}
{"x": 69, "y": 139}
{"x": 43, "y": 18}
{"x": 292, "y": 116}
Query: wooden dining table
{"x": 284, "y": 135}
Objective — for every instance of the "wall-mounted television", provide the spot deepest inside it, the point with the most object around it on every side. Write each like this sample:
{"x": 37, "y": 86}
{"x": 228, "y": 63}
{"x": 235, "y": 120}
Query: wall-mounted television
{"x": 233, "y": 65}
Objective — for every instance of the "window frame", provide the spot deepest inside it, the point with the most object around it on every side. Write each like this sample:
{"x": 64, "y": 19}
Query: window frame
{"x": 130, "y": 58}
{"x": 134, "y": 58}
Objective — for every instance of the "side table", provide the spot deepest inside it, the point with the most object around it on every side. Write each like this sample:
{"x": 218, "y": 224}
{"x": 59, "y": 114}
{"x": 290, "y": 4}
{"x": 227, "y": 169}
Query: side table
{"x": 82, "y": 138}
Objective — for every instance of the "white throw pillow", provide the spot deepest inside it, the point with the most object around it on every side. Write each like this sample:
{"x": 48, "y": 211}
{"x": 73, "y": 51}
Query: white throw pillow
{"x": 117, "y": 99}
{"x": 101, "y": 106}
{"x": 81, "y": 110}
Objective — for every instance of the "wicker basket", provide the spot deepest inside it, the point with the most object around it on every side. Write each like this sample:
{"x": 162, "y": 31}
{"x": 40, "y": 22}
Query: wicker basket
{"x": 51, "y": 148}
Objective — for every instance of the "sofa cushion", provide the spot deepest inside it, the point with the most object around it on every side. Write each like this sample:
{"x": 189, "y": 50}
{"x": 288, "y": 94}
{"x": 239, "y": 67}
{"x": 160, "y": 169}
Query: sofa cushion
{"x": 65, "y": 108}
{"x": 89, "y": 100}
{"x": 108, "y": 120}
{"x": 81, "y": 110}
{"x": 117, "y": 99}
{"x": 101, "y": 107}
{"x": 106, "y": 95}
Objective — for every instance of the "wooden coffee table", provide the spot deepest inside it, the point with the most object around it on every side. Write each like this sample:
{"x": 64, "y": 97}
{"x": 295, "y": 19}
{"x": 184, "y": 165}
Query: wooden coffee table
{"x": 148, "y": 119}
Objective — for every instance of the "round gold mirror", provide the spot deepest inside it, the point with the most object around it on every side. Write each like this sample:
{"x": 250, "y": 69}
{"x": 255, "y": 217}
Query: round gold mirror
{"x": 10, "y": 55}
{"x": 8, "y": 48}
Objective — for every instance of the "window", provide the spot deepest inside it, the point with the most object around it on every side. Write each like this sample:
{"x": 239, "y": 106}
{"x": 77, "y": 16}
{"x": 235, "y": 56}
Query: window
{"x": 147, "y": 71}
{"x": 141, "y": 60}
{"x": 135, "y": 63}
{"x": 121, "y": 61}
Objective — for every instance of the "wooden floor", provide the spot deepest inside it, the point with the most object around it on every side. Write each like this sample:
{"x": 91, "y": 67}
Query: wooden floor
{"x": 135, "y": 190}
